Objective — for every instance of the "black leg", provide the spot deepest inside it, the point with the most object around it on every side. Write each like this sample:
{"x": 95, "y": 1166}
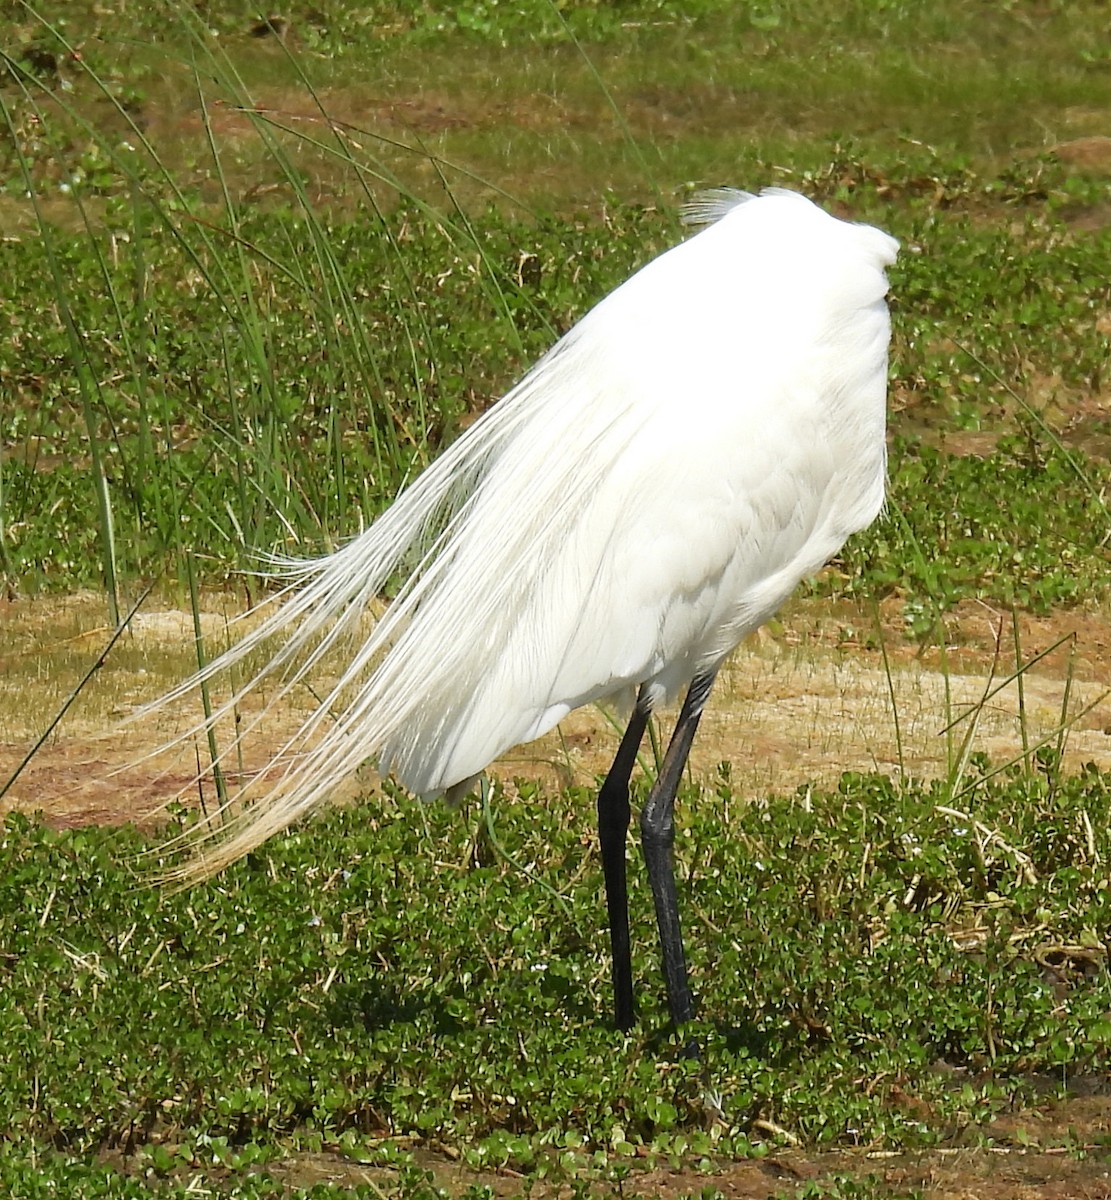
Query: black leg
{"x": 657, "y": 831}
{"x": 613, "y": 823}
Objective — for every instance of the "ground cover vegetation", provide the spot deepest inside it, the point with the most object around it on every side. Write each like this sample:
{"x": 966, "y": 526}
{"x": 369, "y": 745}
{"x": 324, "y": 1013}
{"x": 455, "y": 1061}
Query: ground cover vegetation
{"x": 255, "y": 271}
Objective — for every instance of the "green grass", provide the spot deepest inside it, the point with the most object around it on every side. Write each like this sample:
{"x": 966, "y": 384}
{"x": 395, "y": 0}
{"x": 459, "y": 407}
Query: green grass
{"x": 227, "y": 339}
{"x": 955, "y": 956}
{"x": 1019, "y": 528}
{"x": 283, "y": 437}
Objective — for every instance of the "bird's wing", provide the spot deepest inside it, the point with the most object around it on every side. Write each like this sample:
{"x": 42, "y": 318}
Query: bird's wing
{"x": 652, "y": 489}
{"x": 699, "y": 459}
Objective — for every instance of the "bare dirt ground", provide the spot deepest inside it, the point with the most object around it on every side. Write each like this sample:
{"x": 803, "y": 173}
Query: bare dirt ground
{"x": 1038, "y": 1154}
{"x": 799, "y": 703}
{"x": 803, "y": 701}
{"x": 1001, "y": 1173}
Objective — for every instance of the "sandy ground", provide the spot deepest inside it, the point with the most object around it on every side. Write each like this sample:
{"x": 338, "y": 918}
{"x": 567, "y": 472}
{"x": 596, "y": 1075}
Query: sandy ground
{"x": 802, "y": 702}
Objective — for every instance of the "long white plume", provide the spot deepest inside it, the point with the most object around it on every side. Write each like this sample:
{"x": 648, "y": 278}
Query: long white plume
{"x": 497, "y": 627}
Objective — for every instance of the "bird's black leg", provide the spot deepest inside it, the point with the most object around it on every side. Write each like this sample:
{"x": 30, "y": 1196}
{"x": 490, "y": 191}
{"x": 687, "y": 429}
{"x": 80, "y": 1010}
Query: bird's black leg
{"x": 613, "y": 823}
{"x": 657, "y": 831}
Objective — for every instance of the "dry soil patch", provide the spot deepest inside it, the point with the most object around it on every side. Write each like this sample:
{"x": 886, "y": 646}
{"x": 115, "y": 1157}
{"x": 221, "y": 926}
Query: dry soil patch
{"x": 801, "y": 703}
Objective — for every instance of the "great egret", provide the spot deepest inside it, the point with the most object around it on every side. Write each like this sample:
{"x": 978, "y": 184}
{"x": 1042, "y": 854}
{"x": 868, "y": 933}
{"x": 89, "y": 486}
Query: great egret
{"x": 648, "y": 494}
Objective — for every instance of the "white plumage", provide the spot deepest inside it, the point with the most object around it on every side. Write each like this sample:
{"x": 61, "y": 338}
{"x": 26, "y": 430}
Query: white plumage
{"x": 650, "y": 493}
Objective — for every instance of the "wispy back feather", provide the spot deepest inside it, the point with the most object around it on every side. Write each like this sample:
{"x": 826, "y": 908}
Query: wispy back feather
{"x": 426, "y": 532}
{"x": 706, "y": 207}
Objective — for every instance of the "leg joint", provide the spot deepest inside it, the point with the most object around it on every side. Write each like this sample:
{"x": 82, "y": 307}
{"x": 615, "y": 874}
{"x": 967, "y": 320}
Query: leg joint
{"x": 657, "y": 824}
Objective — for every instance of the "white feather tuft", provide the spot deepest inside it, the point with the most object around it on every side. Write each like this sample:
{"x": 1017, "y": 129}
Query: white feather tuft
{"x": 706, "y": 207}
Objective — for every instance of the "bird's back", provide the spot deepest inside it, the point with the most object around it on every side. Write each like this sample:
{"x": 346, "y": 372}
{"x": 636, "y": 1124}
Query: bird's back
{"x": 707, "y": 436}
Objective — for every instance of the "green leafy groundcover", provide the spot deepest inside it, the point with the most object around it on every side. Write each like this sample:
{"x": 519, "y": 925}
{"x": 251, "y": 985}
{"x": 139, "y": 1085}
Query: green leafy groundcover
{"x": 394, "y": 971}
{"x": 215, "y": 445}
{"x": 1024, "y": 526}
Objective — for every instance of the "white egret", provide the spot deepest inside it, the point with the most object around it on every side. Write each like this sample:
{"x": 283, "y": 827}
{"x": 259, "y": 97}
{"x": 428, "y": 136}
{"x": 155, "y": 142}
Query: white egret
{"x": 648, "y": 494}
